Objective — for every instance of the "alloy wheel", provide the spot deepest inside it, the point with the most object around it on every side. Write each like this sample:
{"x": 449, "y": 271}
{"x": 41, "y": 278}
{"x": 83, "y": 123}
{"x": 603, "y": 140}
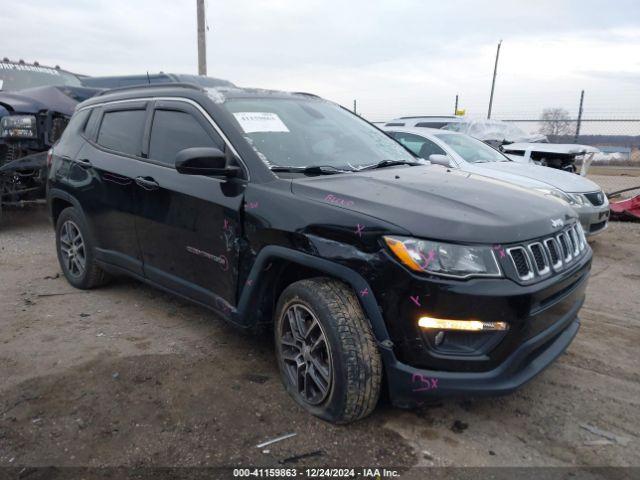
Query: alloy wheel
{"x": 305, "y": 353}
{"x": 72, "y": 249}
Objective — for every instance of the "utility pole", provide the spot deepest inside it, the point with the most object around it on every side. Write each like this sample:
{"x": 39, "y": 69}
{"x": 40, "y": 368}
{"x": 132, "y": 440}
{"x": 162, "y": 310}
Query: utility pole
{"x": 355, "y": 109}
{"x": 578, "y": 124}
{"x": 493, "y": 83}
{"x": 455, "y": 109}
{"x": 202, "y": 39}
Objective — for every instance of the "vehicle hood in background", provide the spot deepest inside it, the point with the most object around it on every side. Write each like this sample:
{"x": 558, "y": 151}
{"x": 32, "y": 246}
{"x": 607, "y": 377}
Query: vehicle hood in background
{"x": 437, "y": 203}
{"x": 62, "y": 99}
{"x": 523, "y": 173}
{"x": 560, "y": 148}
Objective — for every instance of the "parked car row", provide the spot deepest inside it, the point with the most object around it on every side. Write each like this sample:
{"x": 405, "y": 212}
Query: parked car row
{"x": 392, "y": 261}
{"x": 460, "y": 151}
{"x": 518, "y": 145}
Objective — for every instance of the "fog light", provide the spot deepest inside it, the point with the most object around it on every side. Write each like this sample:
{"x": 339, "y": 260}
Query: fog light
{"x": 466, "y": 325}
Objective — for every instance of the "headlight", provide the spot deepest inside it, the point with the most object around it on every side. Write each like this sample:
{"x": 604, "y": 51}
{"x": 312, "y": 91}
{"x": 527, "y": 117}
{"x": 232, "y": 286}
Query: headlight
{"x": 575, "y": 199}
{"x": 18, "y": 126}
{"x": 446, "y": 259}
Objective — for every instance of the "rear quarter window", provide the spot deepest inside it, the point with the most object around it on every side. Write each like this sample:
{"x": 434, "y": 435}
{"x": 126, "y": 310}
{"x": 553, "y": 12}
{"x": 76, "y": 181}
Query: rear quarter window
{"x": 122, "y": 131}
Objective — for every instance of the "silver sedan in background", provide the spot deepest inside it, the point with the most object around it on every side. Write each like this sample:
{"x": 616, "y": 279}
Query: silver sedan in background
{"x": 460, "y": 151}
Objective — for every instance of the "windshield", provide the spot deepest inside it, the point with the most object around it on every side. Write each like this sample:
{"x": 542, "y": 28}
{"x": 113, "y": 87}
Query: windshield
{"x": 470, "y": 149}
{"x": 17, "y": 77}
{"x": 296, "y": 132}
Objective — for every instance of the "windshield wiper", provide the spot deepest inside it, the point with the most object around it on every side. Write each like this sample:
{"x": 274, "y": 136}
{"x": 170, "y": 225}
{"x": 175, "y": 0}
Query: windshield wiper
{"x": 311, "y": 169}
{"x": 389, "y": 163}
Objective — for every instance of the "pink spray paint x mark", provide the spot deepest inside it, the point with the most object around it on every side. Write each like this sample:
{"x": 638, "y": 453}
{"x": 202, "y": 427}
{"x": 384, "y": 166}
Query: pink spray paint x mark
{"x": 500, "y": 250}
{"x": 415, "y": 300}
{"x": 427, "y": 383}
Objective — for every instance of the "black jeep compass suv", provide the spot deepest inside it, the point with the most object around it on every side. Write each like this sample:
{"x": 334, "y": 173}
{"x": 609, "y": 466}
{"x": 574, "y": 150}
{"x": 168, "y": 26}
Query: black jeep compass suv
{"x": 374, "y": 267}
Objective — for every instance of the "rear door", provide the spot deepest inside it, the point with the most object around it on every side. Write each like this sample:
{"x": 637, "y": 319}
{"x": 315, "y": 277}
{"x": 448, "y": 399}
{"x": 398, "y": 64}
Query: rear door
{"x": 188, "y": 225}
{"x": 102, "y": 176}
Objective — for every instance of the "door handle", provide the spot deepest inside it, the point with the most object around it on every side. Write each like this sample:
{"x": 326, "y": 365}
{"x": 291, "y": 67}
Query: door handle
{"x": 148, "y": 183}
{"x": 84, "y": 163}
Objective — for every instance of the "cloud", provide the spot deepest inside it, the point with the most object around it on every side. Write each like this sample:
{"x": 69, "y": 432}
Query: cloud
{"x": 396, "y": 57}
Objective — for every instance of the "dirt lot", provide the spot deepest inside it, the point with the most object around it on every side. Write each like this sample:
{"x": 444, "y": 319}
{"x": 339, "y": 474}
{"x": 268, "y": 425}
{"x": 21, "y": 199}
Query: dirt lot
{"x": 127, "y": 375}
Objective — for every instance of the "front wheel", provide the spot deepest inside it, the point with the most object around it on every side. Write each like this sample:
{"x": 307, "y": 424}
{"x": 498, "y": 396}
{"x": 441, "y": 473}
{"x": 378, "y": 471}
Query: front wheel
{"x": 327, "y": 354}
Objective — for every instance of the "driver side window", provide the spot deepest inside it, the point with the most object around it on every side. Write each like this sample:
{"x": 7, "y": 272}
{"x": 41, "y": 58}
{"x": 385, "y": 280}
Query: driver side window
{"x": 419, "y": 145}
{"x": 173, "y": 131}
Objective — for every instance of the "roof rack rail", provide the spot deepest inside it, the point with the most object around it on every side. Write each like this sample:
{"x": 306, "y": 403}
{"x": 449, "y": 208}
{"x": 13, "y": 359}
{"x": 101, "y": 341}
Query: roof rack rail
{"x": 152, "y": 85}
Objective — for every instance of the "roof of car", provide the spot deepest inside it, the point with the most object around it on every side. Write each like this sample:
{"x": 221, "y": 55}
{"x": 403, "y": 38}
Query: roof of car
{"x": 217, "y": 94}
{"x": 419, "y": 130}
{"x": 426, "y": 116}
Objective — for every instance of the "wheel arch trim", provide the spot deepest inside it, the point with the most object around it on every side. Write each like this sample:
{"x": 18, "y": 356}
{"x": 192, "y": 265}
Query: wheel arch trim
{"x": 249, "y": 295}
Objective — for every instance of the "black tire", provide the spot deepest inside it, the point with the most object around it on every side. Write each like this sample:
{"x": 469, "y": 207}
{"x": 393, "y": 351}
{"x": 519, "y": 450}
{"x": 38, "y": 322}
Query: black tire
{"x": 356, "y": 367}
{"x": 91, "y": 276}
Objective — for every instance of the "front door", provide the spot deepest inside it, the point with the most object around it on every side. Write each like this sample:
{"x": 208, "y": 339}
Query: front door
{"x": 188, "y": 225}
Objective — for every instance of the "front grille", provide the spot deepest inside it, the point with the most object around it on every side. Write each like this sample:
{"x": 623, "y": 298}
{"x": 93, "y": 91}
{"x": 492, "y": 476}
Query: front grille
{"x": 596, "y": 198}
{"x": 597, "y": 226}
{"x": 521, "y": 262}
{"x": 552, "y": 248}
{"x": 537, "y": 259}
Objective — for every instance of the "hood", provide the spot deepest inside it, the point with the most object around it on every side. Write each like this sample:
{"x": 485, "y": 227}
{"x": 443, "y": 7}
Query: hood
{"x": 61, "y": 99}
{"x": 536, "y": 176}
{"x": 561, "y": 148}
{"x": 441, "y": 204}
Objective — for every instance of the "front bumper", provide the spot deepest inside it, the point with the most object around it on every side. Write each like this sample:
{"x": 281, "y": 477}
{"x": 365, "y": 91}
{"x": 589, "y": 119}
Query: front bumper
{"x": 543, "y": 319}
{"x": 594, "y": 220}
{"x": 410, "y": 387}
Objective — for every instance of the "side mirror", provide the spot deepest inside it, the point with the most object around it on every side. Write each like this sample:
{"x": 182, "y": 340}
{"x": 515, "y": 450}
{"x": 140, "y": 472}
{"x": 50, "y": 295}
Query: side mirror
{"x": 440, "y": 159}
{"x": 204, "y": 161}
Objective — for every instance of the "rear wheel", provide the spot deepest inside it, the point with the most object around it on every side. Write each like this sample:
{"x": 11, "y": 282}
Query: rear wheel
{"x": 74, "y": 246}
{"x": 328, "y": 358}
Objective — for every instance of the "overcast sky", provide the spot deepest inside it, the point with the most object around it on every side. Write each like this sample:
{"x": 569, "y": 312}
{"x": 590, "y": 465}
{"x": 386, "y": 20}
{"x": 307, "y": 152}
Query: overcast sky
{"x": 395, "y": 57}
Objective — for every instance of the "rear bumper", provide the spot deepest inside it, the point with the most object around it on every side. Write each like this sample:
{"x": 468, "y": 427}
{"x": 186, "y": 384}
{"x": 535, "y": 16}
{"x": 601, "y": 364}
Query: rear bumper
{"x": 410, "y": 387}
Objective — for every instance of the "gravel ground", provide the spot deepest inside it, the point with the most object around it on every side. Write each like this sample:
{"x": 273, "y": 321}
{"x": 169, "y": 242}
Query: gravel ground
{"x": 128, "y": 375}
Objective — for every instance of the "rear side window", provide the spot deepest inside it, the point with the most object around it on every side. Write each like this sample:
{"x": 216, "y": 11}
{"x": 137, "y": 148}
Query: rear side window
{"x": 173, "y": 131}
{"x": 122, "y": 131}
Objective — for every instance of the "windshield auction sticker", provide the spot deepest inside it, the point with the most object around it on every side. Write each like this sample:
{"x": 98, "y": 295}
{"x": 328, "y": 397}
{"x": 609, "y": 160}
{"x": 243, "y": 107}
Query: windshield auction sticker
{"x": 252, "y": 122}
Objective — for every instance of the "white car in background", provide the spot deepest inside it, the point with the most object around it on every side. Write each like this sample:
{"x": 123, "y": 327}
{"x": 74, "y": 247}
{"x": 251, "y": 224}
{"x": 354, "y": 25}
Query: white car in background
{"x": 460, "y": 151}
{"x": 514, "y": 142}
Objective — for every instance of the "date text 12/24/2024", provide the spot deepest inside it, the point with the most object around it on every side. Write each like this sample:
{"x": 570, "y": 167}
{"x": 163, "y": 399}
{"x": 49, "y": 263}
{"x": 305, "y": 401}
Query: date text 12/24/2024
{"x": 319, "y": 472}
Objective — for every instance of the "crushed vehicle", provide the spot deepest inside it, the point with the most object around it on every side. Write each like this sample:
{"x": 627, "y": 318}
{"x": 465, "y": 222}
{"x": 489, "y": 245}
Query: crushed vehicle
{"x": 514, "y": 142}
{"x": 36, "y": 103}
{"x": 463, "y": 152}
{"x": 373, "y": 269}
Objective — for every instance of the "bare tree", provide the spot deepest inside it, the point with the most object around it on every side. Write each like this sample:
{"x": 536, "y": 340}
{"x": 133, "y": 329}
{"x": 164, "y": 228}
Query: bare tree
{"x": 555, "y": 121}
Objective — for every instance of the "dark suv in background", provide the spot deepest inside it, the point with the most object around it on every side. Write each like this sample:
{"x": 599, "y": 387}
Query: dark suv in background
{"x": 36, "y": 103}
{"x": 286, "y": 209}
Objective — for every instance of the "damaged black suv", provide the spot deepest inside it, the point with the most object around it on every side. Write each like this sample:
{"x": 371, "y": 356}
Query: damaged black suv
{"x": 376, "y": 269}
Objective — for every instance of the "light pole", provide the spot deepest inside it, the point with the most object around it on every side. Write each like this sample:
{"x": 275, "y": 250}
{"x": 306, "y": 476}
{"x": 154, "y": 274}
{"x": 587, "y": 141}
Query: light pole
{"x": 202, "y": 39}
{"x": 493, "y": 83}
